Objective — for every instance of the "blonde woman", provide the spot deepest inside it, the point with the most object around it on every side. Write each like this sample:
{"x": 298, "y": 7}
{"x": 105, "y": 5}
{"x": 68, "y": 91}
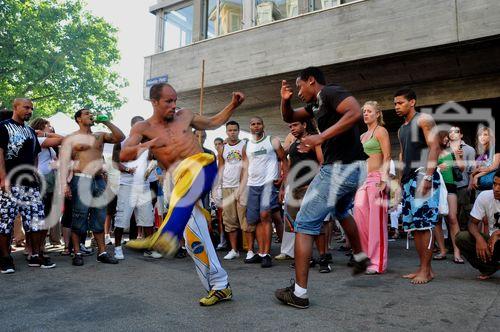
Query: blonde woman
{"x": 370, "y": 207}
{"x": 486, "y": 161}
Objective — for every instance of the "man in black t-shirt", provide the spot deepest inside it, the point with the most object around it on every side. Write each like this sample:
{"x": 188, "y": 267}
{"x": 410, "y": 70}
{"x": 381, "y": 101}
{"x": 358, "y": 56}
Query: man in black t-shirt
{"x": 19, "y": 186}
{"x": 332, "y": 190}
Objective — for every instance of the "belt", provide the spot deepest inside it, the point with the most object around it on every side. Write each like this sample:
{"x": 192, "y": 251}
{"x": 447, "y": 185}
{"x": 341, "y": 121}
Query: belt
{"x": 83, "y": 175}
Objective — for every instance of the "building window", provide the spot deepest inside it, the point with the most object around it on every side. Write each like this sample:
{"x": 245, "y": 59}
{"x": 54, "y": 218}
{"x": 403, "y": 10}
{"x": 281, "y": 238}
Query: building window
{"x": 324, "y": 4}
{"x": 178, "y": 30}
{"x": 223, "y": 16}
{"x": 269, "y": 11}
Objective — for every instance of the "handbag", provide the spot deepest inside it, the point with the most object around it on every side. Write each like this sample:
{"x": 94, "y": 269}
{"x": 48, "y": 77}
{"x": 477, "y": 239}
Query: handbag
{"x": 485, "y": 182}
{"x": 444, "y": 209}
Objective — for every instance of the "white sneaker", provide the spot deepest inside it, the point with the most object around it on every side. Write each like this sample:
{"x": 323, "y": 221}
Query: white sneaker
{"x": 250, "y": 254}
{"x": 232, "y": 255}
{"x": 152, "y": 254}
{"x": 107, "y": 240}
{"x": 282, "y": 257}
{"x": 119, "y": 253}
{"x": 221, "y": 245}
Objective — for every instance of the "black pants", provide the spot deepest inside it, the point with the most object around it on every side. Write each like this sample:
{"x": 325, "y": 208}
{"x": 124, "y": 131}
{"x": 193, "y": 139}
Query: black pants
{"x": 467, "y": 244}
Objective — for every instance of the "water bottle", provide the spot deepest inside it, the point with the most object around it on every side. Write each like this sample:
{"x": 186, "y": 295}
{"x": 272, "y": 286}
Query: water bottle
{"x": 101, "y": 118}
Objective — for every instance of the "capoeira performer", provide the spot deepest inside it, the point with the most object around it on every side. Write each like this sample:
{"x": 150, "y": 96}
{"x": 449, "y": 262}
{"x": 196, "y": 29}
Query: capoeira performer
{"x": 169, "y": 135}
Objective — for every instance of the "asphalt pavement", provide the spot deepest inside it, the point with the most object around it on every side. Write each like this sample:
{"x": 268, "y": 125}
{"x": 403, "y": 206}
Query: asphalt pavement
{"x": 143, "y": 294}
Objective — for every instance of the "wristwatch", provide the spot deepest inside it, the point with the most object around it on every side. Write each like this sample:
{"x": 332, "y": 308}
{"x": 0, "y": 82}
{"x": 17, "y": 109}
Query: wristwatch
{"x": 428, "y": 178}
{"x": 127, "y": 170}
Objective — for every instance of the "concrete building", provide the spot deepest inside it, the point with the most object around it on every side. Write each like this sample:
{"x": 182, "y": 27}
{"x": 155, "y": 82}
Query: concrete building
{"x": 444, "y": 49}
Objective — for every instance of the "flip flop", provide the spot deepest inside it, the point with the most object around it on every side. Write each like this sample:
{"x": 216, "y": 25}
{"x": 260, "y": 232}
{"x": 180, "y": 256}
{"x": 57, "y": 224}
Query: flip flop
{"x": 439, "y": 257}
{"x": 458, "y": 261}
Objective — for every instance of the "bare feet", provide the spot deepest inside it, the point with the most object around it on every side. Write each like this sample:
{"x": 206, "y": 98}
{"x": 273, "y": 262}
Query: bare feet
{"x": 483, "y": 277}
{"x": 422, "y": 278}
{"x": 410, "y": 275}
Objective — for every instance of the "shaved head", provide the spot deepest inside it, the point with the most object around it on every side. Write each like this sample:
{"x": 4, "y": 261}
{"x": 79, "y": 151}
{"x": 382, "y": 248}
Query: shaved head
{"x": 23, "y": 109}
{"x": 255, "y": 117}
{"x": 19, "y": 101}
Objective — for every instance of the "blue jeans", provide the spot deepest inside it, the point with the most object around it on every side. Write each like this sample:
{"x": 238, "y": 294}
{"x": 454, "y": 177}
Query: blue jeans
{"x": 331, "y": 191}
{"x": 88, "y": 204}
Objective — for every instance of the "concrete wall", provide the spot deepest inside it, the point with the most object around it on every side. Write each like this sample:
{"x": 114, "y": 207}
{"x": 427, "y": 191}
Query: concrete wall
{"x": 351, "y": 32}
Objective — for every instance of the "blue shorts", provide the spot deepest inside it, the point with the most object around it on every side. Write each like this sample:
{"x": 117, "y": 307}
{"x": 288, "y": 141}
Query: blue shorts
{"x": 261, "y": 199}
{"x": 331, "y": 191}
{"x": 89, "y": 202}
{"x": 420, "y": 213}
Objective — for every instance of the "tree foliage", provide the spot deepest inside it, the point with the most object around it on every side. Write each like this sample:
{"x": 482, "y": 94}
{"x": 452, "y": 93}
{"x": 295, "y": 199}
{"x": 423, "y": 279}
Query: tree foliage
{"x": 58, "y": 54}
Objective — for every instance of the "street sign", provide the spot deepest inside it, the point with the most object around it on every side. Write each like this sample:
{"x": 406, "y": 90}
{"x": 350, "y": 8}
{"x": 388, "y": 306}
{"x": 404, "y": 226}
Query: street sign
{"x": 156, "y": 80}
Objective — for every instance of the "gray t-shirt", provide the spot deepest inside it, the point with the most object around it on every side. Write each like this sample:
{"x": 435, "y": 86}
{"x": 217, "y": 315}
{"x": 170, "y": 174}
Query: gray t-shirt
{"x": 469, "y": 159}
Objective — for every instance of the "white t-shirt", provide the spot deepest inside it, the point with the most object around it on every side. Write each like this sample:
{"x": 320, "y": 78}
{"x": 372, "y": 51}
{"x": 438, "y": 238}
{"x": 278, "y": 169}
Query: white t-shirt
{"x": 141, "y": 166}
{"x": 45, "y": 158}
{"x": 233, "y": 160}
{"x": 487, "y": 206}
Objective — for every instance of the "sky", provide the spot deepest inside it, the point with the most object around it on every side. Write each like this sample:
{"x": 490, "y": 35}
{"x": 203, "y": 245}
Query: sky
{"x": 136, "y": 35}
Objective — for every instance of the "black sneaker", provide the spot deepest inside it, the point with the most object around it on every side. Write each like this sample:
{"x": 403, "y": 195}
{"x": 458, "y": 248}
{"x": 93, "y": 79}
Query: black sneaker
{"x": 286, "y": 296}
{"x": 254, "y": 260}
{"x": 324, "y": 266}
{"x": 360, "y": 267}
{"x": 266, "y": 261}
{"x": 312, "y": 263}
{"x": 7, "y": 265}
{"x": 181, "y": 253}
{"x": 86, "y": 251}
{"x": 328, "y": 257}
{"x": 47, "y": 263}
{"x": 106, "y": 259}
{"x": 78, "y": 260}
{"x": 35, "y": 261}
{"x": 350, "y": 263}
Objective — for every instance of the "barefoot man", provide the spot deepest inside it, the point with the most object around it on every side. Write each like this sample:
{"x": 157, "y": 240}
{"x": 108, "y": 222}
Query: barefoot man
{"x": 420, "y": 203}
{"x": 172, "y": 142}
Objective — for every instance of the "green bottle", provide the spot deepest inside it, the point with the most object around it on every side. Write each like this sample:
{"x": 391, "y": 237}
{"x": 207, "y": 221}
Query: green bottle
{"x": 101, "y": 118}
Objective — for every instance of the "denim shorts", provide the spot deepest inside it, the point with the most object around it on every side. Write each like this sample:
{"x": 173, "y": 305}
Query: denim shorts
{"x": 331, "y": 191}
{"x": 261, "y": 199}
{"x": 89, "y": 202}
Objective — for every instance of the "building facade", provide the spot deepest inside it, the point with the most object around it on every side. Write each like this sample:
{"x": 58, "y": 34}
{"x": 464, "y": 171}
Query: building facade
{"x": 447, "y": 50}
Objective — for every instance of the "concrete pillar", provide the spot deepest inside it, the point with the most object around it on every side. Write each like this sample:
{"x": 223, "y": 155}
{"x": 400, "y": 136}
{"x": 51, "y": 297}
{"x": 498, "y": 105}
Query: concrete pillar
{"x": 303, "y": 6}
{"x": 198, "y": 20}
{"x": 160, "y": 25}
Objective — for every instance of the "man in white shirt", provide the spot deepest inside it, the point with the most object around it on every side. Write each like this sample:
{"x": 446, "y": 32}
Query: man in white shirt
{"x": 230, "y": 159}
{"x": 483, "y": 250}
{"x": 134, "y": 197}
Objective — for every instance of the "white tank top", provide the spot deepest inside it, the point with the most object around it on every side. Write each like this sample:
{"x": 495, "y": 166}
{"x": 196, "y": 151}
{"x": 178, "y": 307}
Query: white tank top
{"x": 262, "y": 162}
{"x": 233, "y": 156}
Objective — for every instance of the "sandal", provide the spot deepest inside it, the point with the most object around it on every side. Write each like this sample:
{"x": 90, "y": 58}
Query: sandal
{"x": 19, "y": 244}
{"x": 439, "y": 257}
{"x": 458, "y": 260}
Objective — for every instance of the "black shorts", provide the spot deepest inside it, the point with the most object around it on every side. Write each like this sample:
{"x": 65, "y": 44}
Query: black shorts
{"x": 452, "y": 188}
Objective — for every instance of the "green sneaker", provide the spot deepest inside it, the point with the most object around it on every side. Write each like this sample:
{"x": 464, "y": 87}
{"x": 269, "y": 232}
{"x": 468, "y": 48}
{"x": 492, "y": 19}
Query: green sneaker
{"x": 215, "y": 296}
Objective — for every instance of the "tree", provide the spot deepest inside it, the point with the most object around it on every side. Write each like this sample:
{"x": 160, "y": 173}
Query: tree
{"x": 59, "y": 55}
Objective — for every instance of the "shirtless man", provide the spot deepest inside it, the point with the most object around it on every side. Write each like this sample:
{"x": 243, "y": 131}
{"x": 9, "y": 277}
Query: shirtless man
{"x": 172, "y": 142}
{"x": 87, "y": 186}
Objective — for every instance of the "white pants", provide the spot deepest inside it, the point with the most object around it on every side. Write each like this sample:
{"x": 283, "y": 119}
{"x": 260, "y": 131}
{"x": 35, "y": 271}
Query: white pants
{"x": 395, "y": 216}
{"x": 200, "y": 248}
{"x": 288, "y": 243}
{"x": 134, "y": 199}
